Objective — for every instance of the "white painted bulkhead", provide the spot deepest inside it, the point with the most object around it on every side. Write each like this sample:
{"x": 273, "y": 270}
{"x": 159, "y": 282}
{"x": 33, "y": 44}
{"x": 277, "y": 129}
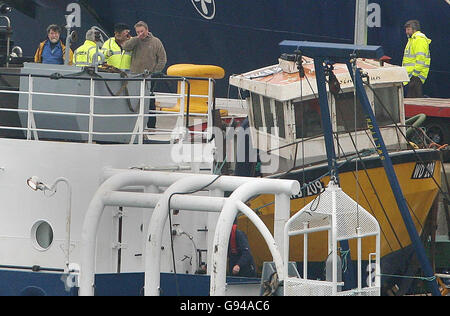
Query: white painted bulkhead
{"x": 83, "y": 166}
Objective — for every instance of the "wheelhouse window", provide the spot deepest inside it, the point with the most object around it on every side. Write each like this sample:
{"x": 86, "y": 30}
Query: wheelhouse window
{"x": 268, "y": 115}
{"x": 308, "y": 122}
{"x": 279, "y": 109}
{"x": 345, "y": 113}
{"x": 256, "y": 109}
{"x": 386, "y": 102}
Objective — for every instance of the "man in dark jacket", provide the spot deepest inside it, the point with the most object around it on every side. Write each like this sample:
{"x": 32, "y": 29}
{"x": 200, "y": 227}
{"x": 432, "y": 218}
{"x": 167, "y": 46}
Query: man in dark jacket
{"x": 240, "y": 258}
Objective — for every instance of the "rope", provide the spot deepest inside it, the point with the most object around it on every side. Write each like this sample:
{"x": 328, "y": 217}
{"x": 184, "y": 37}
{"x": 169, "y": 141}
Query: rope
{"x": 428, "y": 279}
{"x": 356, "y": 147}
{"x": 170, "y": 230}
{"x": 242, "y": 27}
{"x": 301, "y": 72}
{"x": 217, "y": 170}
{"x": 344, "y": 256}
{"x": 378, "y": 198}
{"x": 368, "y": 153}
{"x": 445, "y": 194}
{"x": 123, "y": 88}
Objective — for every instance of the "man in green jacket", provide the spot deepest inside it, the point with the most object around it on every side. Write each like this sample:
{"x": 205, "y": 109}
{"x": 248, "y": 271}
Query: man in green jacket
{"x": 416, "y": 59}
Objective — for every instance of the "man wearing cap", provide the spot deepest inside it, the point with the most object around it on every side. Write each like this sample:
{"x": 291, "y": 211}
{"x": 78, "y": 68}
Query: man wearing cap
{"x": 83, "y": 56}
{"x": 115, "y": 55}
{"x": 416, "y": 59}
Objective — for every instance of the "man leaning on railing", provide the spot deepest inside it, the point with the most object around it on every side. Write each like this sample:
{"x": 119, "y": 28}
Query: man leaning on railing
{"x": 147, "y": 54}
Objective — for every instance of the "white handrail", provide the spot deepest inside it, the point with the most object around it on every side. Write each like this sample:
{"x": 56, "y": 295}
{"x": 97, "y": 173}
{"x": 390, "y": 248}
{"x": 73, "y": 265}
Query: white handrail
{"x": 159, "y": 95}
{"x": 30, "y": 106}
{"x": 32, "y": 130}
{"x": 91, "y": 109}
{"x": 227, "y": 217}
{"x": 163, "y": 132}
{"x": 120, "y": 179}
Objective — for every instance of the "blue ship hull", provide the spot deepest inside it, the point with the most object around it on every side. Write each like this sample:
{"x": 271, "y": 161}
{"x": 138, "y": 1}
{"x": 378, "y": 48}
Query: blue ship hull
{"x": 19, "y": 283}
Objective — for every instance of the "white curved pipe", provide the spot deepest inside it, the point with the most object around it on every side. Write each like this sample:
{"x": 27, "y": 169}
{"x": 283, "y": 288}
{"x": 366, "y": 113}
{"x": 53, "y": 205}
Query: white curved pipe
{"x": 158, "y": 221}
{"x": 95, "y": 211}
{"x": 226, "y": 220}
{"x": 126, "y": 178}
{"x": 265, "y": 232}
{"x": 161, "y": 212}
{"x": 178, "y": 202}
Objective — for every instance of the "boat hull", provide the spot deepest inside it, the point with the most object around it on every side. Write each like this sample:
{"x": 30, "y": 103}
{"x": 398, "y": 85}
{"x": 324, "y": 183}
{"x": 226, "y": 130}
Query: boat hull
{"x": 27, "y": 283}
{"x": 373, "y": 193}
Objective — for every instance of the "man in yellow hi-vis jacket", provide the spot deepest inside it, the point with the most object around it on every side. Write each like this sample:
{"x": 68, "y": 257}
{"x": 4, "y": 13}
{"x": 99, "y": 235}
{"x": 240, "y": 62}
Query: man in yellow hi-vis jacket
{"x": 84, "y": 55}
{"x": 115, "y": 55}
{"x": 416, "y": 59}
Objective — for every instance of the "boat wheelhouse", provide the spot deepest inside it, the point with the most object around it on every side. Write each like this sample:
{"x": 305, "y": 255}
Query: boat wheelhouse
{"x": 284, "y": 109}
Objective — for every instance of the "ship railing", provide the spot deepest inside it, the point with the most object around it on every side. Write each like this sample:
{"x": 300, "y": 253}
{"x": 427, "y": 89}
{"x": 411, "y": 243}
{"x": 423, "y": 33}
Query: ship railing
{"x": 173, "y": 133}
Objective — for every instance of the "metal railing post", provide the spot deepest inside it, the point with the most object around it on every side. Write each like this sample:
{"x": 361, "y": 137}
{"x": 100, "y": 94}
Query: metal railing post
{"x": 210, "y": 108}
{"x": 141, "y": 112}
{"x": 305, "y": 253}
{"x": 31, "y": 124}
{"x": 359, "y": 273}
{"x": 30, "y": 106}
{"x": 182, "y": 103}
{"x": 91, "y": 110}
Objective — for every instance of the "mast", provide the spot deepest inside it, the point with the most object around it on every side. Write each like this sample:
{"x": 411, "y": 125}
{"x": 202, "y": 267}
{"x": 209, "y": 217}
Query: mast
{"x": 361, "y": 22}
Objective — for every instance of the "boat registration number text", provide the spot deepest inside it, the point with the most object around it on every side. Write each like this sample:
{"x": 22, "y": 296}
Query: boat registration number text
{"x": 311, "y": 189}
{"x": 423, "y": 170}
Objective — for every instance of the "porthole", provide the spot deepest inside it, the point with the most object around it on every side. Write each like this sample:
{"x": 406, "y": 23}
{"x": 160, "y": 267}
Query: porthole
{"x": 42, "y": 235}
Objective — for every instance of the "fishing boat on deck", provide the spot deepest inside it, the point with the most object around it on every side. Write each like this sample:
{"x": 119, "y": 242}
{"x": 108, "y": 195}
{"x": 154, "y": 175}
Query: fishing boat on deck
{"x": 286, "y": 122}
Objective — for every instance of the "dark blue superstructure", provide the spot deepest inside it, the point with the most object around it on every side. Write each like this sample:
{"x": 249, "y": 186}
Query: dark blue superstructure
{"x": 243, "y": 35}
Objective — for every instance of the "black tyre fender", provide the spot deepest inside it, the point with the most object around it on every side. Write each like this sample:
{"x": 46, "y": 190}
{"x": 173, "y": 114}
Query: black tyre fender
{"x": 438, "y": 129}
